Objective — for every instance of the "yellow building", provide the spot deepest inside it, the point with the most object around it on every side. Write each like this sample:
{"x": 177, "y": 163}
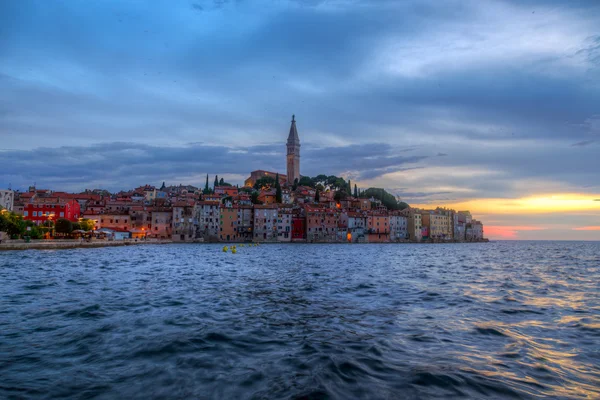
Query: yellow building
{"x": 439, "y": 225}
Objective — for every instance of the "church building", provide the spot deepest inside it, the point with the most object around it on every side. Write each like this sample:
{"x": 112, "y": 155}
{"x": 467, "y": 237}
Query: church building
{"x": 293, "y": 162}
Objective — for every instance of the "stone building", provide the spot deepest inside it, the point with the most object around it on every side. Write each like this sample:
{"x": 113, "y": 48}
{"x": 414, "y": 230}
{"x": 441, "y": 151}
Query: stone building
{"x": 284, "y": 224}
{"x": 245, "y": 224}
{"x": 162, "y": 223}
{"x": 184, "y": 222}
{"x": 265, "y": 223}
{"x": 7, "y": 199}
{"x": 207, "y": 215}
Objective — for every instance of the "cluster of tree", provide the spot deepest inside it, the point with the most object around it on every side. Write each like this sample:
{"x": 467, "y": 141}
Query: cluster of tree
{"x": 67, "y": 227}
{"x": 267, "y": 182}
{"x": 15, "y": 226}
{"x": 387, "y": 199}
{"x": 322, "y": 182}
{"x": 218, "y": 182}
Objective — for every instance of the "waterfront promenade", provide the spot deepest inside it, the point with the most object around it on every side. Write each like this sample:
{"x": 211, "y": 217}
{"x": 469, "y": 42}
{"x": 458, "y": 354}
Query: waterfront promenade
{"x": 74, "y": 243}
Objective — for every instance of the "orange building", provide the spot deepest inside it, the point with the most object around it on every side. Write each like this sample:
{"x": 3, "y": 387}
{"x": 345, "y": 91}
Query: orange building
{"x": 267, "y": 197}
{"x": 226, "y": 190}
{"x": 321, "y": 224}
{"x": 378, "y": 225}
{"x": 228, "y": 223}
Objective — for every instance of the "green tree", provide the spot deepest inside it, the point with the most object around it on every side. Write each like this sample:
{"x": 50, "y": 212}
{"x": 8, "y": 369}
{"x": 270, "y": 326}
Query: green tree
{"x": 306, "y": 181}
{"x": 355, "y": 190}
{"x": 322, "y": 179}
{"x": 254, "y": 198}
{"x": 34, "y": 232}
{"x": 216, "y": 181}
{"x": 278, "y": 194}
{"x": 349, "y": 188}
{"x": 206, "y": 188}
{"x": 339, "y": 195}
{"x": 295, "y": 185}
{"x": 221, "y": 182}
{"x": 86, "y": 224}
{"x": 63, "y": 226}
{"x": 340, "y": 184}
{"x": 76, "y": 226}
{"x": 265, "y": 181}
{"x": 317, "y": 196}
{"x": 11, "y": 223}
{"x": 387, "y": 199}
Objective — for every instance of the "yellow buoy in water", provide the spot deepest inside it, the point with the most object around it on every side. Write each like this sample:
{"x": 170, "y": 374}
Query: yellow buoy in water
{"x": 225, "y": 249}
{"x": 233, "y": 251}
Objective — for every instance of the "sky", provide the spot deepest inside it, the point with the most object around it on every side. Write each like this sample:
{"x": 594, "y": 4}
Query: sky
{"x": 491, "y": 106}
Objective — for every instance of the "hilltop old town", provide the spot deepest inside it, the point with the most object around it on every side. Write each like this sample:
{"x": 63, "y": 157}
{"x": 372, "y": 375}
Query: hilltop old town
{"x": 270, "y": 207}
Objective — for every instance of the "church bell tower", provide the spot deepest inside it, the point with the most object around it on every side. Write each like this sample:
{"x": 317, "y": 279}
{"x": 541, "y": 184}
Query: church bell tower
{"x": 293, "y": 154}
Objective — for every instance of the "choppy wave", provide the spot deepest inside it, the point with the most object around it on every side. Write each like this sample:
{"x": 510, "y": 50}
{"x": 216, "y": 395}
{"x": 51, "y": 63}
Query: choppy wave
{"x": 497, "y": 320}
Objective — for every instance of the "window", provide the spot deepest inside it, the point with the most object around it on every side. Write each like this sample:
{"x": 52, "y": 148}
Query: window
{"x": 62, "y": 214}
{"x": 34, "y": 213}
{"x": 25, "y": 213}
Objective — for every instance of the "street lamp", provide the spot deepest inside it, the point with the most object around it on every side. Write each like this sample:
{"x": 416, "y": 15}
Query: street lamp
{"x": 49, "y": 219}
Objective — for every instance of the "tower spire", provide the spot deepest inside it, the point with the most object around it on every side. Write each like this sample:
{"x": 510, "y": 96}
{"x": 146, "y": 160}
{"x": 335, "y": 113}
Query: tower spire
{"x": 293, "y": 136}
{"x": 293, "y": 153}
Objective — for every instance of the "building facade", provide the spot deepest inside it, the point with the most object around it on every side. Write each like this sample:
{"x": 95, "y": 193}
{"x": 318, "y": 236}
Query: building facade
{"x": 265, "y": 223}
{"x": 7, "y": 199}
{"x": 44, "y": 209}
{"x": 207, "y": 215}
{"x": 184, "y": 223}
{"x": 284, "y": 224}
{"x": 398, "y": 227}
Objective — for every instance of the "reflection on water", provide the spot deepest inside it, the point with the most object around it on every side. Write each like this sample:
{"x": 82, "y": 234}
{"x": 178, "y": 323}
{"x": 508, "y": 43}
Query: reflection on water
{"x": 507, "y": 319}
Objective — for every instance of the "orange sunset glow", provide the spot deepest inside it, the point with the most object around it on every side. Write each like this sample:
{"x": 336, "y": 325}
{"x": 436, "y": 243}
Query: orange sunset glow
{"x": 576, "y": 211}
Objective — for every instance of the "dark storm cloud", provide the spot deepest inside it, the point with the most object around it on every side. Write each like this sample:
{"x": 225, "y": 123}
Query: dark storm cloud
{"x": 583, "y": 143}
{"x": 120, "y": 165}
{"x": 367, "y": 81}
